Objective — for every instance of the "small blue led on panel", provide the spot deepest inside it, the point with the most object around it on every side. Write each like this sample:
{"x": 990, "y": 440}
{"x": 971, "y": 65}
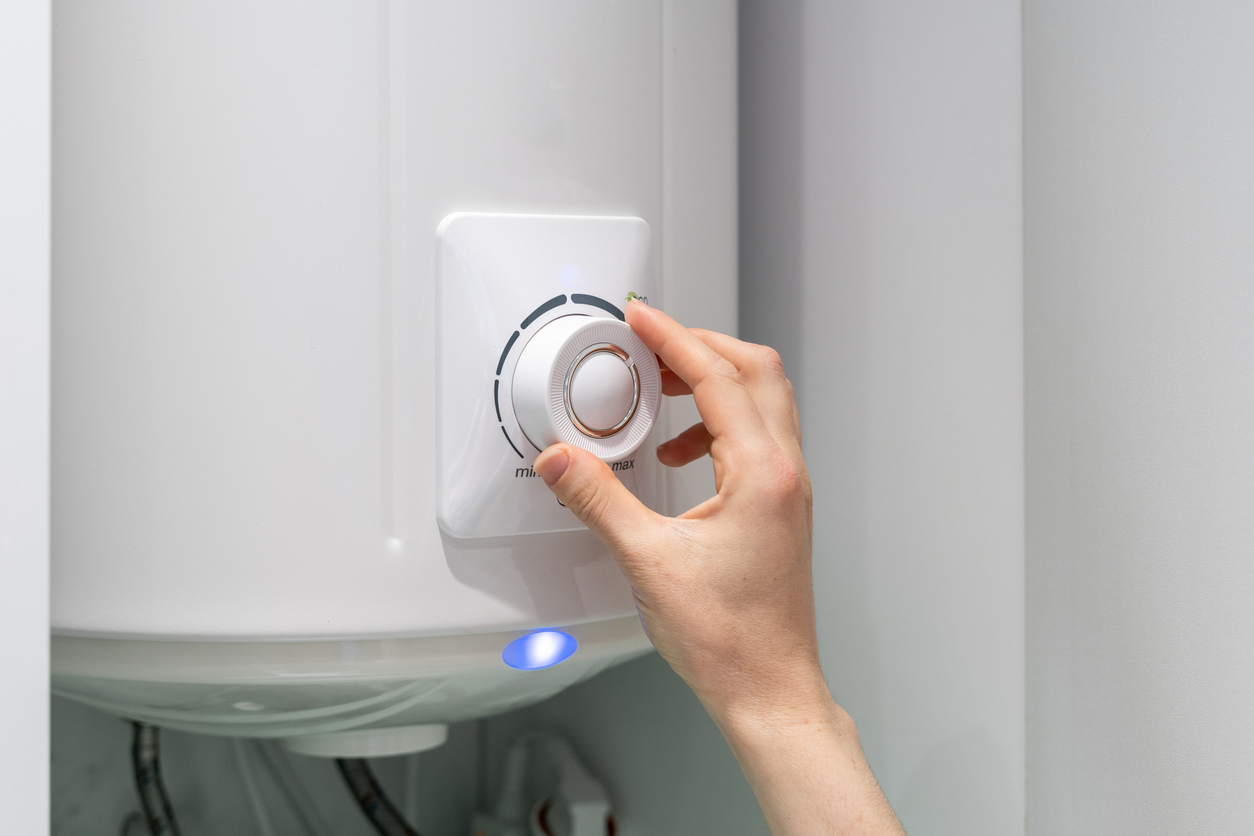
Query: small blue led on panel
{"x": 541, "y": 649}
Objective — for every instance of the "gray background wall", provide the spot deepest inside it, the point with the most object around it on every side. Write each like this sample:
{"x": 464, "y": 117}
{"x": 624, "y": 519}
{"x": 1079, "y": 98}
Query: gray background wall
{"x": 880, "y": 251}
{"x": 1139, "y": 172}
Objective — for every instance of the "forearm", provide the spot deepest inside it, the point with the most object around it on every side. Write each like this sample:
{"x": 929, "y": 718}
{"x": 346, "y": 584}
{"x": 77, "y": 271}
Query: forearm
{"x": 808, "y": 771}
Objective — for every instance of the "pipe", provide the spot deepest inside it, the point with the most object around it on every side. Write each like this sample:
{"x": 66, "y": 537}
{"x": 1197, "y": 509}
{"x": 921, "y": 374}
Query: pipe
{"x": 386, "y": 819}
{"x": 146, "y": 762}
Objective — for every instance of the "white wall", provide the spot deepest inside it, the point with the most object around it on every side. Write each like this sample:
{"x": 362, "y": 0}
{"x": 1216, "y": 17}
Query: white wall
{"x": 25, "y": 65}
{"x": 1139, "y": 134}
{"x": 880, "y": 194}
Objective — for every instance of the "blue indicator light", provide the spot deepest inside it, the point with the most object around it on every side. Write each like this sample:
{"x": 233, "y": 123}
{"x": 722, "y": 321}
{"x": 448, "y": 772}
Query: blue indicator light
{"x": 542, "y": 649}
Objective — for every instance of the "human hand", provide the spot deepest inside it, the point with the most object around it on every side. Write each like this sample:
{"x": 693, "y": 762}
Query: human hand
{"x": 724, "y": 589}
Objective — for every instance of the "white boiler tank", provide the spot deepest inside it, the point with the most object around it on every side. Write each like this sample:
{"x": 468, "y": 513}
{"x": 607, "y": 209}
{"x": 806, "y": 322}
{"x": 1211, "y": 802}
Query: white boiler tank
{"x": 326, "y": 277}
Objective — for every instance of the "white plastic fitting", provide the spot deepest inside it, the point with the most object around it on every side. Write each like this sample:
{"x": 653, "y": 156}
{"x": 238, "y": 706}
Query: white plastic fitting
{"x": 587, "y": 381}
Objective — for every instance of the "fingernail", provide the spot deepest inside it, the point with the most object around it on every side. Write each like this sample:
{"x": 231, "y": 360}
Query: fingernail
{"x": 552, "y": 466}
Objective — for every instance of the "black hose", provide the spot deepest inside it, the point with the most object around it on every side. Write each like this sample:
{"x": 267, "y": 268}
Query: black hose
{"x": 146, "y": 761}
{"x": 362, "y": 784}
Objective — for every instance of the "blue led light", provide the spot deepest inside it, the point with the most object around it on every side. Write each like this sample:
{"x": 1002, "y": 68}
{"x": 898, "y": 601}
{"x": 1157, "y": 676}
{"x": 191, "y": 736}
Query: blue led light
{"x": 541, "y": 649}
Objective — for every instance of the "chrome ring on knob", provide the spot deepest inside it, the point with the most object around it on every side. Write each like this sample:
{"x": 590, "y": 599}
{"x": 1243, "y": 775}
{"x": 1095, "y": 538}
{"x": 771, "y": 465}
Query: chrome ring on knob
{"x": 570, "y": 374}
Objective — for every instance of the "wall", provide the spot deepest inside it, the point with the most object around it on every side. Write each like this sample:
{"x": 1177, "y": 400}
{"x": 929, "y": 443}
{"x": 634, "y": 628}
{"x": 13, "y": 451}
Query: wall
{"x": 25, "y": 65}
{"x": 880, "y": 183}
{"x": 1139, "y": 125}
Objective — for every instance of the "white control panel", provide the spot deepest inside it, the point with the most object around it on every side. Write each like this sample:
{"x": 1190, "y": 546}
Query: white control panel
{"x": 532, "y": 349}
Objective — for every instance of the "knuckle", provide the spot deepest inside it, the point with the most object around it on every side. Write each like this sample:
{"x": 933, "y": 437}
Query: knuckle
{"x": 786, "y": 482}
{"x": 590, "y": 501}
{"x": 725, "y": 369}
{"x": 770, "y": 362}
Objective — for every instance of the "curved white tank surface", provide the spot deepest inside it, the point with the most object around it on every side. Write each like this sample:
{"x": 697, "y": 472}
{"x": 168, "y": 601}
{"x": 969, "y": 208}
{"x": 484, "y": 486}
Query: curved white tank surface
{"x": 298, "y": 253}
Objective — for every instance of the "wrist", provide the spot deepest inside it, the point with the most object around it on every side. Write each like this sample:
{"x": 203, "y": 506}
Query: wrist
{"x": 807, "y": 769}
{"x": 787, "y": 702}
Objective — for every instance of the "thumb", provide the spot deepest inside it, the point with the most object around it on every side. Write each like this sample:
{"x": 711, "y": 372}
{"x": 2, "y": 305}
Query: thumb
{"x": 588, "y": 487}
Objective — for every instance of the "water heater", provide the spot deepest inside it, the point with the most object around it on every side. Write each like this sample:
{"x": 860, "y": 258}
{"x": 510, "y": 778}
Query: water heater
{"x": 326, "y": 279}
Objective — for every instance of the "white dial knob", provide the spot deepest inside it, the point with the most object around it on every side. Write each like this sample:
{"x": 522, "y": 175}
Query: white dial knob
{"x": 590, "y": 382}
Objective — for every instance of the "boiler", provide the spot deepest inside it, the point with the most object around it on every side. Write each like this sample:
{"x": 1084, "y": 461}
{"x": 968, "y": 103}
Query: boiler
{"x": 326, "y": 278}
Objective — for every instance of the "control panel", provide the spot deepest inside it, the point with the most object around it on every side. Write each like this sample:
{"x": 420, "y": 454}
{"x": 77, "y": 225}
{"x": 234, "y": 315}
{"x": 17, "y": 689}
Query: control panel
{"x": 533, "y": 349}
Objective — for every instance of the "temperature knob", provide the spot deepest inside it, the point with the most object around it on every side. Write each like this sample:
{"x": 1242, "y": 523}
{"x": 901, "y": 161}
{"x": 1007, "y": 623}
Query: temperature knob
{"x": 590, "y": 382}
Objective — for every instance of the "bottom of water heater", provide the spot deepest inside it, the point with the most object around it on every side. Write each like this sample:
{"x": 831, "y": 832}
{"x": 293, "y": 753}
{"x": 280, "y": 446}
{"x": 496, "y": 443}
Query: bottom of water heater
{"x": 295, "y": 689}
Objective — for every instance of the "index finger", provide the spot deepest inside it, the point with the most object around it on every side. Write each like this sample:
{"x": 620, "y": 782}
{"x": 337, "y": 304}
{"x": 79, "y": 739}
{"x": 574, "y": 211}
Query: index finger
{"x": 722, "y": 399}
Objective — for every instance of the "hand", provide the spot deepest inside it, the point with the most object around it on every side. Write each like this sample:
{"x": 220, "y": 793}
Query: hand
{"x": 724, "y": 590}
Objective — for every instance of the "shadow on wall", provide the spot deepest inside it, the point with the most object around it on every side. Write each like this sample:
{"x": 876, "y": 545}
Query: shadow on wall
{"x": 774, "y": 186}
{"x": 960, "y": 788}
{"x": 771, "y": 185}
